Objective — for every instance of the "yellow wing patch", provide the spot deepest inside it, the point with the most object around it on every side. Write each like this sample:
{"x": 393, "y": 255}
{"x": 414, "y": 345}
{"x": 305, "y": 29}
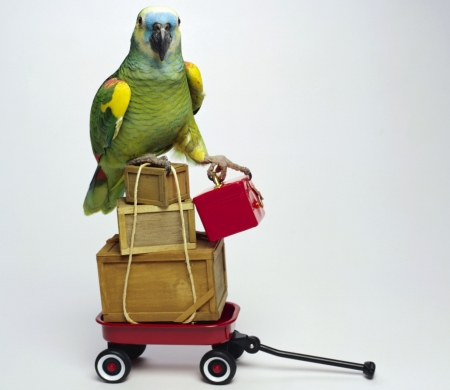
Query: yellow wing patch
{"x": 195, "y": 83}
{"x": 193, "y": 73}
{"x": 120, "y": 97}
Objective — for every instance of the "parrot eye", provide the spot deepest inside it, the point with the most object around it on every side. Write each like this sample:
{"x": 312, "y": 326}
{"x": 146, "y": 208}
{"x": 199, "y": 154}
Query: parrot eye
{"x": 179, "y": 21}
{"x": 140, "y": 21}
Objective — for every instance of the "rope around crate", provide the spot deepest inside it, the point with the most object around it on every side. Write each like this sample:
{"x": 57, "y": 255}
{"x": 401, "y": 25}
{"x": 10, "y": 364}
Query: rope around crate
{"x": 133, "y": 232}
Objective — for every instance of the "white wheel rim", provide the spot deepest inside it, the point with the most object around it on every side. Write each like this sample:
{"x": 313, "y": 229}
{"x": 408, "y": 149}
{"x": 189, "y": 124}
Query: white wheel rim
{"x": 106, "y": 376}
{"x": 213, "y": 378}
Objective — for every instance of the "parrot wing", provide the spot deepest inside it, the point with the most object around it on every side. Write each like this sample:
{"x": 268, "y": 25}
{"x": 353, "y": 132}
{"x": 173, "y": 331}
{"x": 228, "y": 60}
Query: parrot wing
{"x": 195, "y": 83}
{"x": 108, "y": 108}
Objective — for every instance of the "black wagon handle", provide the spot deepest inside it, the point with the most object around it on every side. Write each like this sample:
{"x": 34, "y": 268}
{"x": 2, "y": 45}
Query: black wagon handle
{"x": 252, "y": 345}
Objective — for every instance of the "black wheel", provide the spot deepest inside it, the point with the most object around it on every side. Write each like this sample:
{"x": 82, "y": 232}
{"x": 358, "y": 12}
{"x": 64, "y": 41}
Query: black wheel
{"x": 218, "y": 367}
{"x": 235, "y": 350}
{"x": 112, "y": 366}
{"x": 132, "y": 350}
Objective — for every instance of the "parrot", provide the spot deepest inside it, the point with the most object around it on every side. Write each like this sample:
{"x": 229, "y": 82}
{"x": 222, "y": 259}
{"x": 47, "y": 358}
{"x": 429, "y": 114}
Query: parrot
{"x": 145, "y": 109}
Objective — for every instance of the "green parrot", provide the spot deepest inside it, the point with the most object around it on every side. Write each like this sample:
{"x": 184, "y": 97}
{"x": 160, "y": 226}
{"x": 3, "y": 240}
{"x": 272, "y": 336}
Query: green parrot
{"x": 147, "y": 108}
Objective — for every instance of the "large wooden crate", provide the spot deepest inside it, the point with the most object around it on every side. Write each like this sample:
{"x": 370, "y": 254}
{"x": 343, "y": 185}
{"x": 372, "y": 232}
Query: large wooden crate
{"x": 157, "y": 228}
{"x": 155, "y": 187}
{"x": 159, "y": 287}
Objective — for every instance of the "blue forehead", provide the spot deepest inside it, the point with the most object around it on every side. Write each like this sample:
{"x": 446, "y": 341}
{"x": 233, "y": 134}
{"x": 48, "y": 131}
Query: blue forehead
{"x": 160, "y": 17}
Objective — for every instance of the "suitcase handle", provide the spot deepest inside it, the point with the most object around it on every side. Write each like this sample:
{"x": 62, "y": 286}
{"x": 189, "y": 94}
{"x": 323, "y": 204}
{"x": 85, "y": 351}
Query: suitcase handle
{"x": 216, "y": 181}
{"x": 219, "y": 184}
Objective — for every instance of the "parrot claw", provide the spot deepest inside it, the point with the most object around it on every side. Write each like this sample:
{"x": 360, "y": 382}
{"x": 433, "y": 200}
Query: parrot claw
{"x": 219, "y": 165}
{"x": 168, "y": 168}
{"x": 161, "y": 162}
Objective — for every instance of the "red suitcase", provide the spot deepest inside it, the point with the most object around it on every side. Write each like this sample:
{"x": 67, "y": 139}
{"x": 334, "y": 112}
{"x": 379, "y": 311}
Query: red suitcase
{"x": 229, "y": 208}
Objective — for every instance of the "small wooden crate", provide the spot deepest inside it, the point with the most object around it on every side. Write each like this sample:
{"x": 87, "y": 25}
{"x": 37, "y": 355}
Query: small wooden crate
{"x": 155, "y": 187}
{"x": 157, "y": 228}
{"x": 159, "y": 287}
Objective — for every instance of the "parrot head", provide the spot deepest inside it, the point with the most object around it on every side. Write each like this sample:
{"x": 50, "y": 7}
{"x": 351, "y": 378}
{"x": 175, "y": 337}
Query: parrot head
{"x": 157, "y": 32}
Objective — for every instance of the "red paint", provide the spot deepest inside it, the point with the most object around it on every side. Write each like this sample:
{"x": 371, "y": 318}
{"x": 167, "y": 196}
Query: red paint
{"x": 200, "y": 333}
{"x": 111, "y": 367}
{"x": 217, "y": 368}
{"x": 230, "y": 209}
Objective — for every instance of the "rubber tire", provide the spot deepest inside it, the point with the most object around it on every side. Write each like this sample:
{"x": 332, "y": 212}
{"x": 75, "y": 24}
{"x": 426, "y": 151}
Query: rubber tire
{"x": 223, "y": 359}
{"x": 117, "y": 357}
{"x": 235, "y": 350}
{"x": 132, "y": 350}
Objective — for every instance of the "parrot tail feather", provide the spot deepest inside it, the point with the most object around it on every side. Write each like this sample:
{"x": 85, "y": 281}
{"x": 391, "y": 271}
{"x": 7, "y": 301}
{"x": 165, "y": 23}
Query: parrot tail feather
{"x": 99, "y": 196}
{"x": 116, "y": 192}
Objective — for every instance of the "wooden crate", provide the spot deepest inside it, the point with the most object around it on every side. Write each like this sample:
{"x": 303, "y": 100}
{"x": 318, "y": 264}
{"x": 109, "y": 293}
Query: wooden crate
{"x": 155, "y": 187}
{"x": 157, "y": 228}
{"x": 159, "y": 287}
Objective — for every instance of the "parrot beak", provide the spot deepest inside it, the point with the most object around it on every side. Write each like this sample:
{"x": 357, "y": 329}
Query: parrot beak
{"x": 160, "y": 39}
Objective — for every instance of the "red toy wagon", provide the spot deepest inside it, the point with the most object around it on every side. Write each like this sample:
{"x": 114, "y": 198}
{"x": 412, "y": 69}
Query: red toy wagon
{"x": 128, "y": 341}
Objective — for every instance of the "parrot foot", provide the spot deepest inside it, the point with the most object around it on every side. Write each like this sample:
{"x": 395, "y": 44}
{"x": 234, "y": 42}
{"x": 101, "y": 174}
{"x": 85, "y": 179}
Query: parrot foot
{"x": 220, "y": 164}
{"x": 161, "y": 162}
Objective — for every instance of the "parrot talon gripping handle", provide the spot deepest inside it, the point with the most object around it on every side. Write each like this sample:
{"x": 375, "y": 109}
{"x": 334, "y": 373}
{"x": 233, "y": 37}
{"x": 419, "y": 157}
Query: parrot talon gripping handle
{"x": 213, "y": 176}
{"x": 251, "y": 344}
{"x": 218, "y": 168}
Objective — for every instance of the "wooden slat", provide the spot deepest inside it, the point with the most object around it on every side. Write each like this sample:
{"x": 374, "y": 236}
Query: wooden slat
{"x": 122, "y": 228}
{"x": 200, "y": 302}
{"x": 157, "y": 248}
{"x": 158, "y": 317}
{"x": 204, "y": 250}
{"x": 211, "y": 282}
{"x": 126, "y": 208}
{"x": 191, "y": 223}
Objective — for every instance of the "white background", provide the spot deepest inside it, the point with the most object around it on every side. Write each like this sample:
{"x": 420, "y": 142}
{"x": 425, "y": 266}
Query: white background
{"x": 341, "y": 110}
